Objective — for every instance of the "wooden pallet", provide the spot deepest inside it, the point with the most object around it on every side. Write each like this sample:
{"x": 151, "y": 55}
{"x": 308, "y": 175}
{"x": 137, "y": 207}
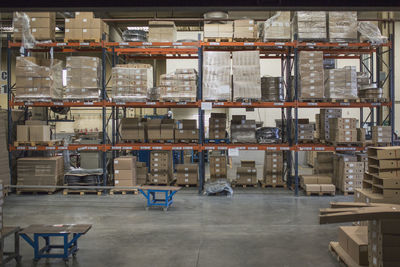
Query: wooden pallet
{"x": 313, "y": 100}
{"x": 373, "y": 100}
{"x": 265, "y": 185}
{"x": 311, "y": 193}
{"x": 355, "y": 143}
{"x": 348, "y": 193}
{"x": 81, "y": 191}
{"x": 217, "y": 141}
{"x": 124, "y": 191}
{"x": 187, "y": 141}
{"x": 246, "y": 100}
{"x": 36, "y": 191}
{"x": 188, "y": 185}
{"x": 96, "y": 40}
{"x": 161, "y": 141}
{"x": 344, "y": 100}
{"x": 307, "y": 141}
{"x": 244, "y": 185}
{"x": 382, "y": 144}
{"x": 341, "y": 255}
{"x": 179, "y": 100}
{"x": 218, "y": 39}
{"x": 133, "y": 141}
{"x": 39, "y": 143}
{"x": 246, "y": 39}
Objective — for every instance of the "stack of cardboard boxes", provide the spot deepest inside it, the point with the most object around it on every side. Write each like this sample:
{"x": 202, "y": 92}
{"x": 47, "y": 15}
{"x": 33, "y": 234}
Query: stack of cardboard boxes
{"x": 38, "y": 79}
{"x": 41, "y": 25}
{"x": 366, "y": 89}
{"x": 131, "y": 82}
{"x": 325, "y": 115}
{"x": 381, "y": 134}
{"x": 218, "y": 30}
{"x": 85, "y": 27}
{"x": 217, "y": 76}
{"x": 83, "y": 78}
{"x": 244, "y": 29}
{"x": 153, "y": 128}
{"x": 162, "y": 31}
{"x": 311, "y": 25}
{"x": 246, "y": 75}
{"x": 342, "y": 130}
{"x": 242, "y": 130}
{"x": 271, "y": 89}
{"x": 141, "y": 173}
{"x": 314, "y": 180}
{"x": 217, "y": 126}
{"x": 33, "y": 131}
{"x": 160, "y": 167}
{"x": 323, "y": 163}
{"x": 353, "y": 242}
{"x": 311, "y": 72}
{"x": 186, "y": 131}
{"x": 305, "y": 131}
{"x": 133, "y": 129}
{"x": 187, "y": 174}
{"x": 277, "y": 28}
{"x": 342, "y": 26}
{"x": 218, "y": 166}
{"x": 348, "y": 172}
{"x": 341, "y": 83}
{"x": 246, "y": 174}
{"x": 40, "y": 171}
{"x": 125, "y": 171}
{"x": 179, "y": 86}
{"x": 167, "y": 130}
{"x": 273, "y": 168}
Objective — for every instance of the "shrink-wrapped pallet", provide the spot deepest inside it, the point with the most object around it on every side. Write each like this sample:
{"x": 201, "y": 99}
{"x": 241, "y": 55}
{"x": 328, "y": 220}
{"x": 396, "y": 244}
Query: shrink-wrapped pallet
{"x": 342, "y": 26}
{"x": 179, "y": 86}
{"x": 311, "y": 25}
{"x": 217, "y": 76}
{"x": 276, "y": 28}
{"x": 246, "y": 75}
{"x": 271, "y": 89}
{"x": 341, "y": 83}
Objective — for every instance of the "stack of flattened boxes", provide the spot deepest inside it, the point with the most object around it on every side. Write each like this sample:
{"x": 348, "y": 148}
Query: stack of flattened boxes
{"x": 40, "y": 171}
{"x": 132, "y": 82}
{"x": 162, "y": 31}
{"x": 167, "y": 130}
{"x": 325, "y": 115}
{"x": 218, "y": 166}
{"x": 246, "y": 174}
{"x": 342, "y": 26}
{"x": 2, "y": 193}
{"x": 85, "y": 27}
{"x": 311, "y": 75}
{"x": 4, "y": 157}
{"x": 273, "y": 168}
{"x": 125, "y": 171}
{"x": 342, "y": 130}
{"x": 242, "y": 130}
{"x": 246, "y": 75}
{"x": 42, "y": 25}
{"x": 381, "y": 134}
{"x": 354, "y": 241}
{"x": 187, "y": 174}
{"x": 341, "y": 83}
{"x": 324, "y": 163}
{"x": 179, "y": 86}
{"x": 153, "y": 129}
{"x": 186, "y": 131}
{"x": 83, "y": 78}
{"x": 217, "y": 126}
{"x": 244, "y": 29}
{"x": 38, "y": 79}
{"x": 218, "y": 30}
{"x": 350, "y": 173}
{"x": 141, "y": 173}
{"x": 132, "y": 129}
{"x": 277, "y": 28}
{"x": 160, "y": 167}
{"x": 311, "y": 25}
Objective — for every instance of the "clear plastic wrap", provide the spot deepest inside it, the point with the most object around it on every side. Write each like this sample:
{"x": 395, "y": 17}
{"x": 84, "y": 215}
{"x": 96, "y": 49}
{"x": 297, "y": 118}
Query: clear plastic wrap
{"x": 311, "y": 72}
{"x": 244, "y": 132}
{"x": 134, "y": 36}
{"x": 217, "y": 76}
{"x": 341, "y": 83}
{"x": 272, "y": 89}
{"x": 311, "y": 25}
{"x": 83, "y": 78}
{"x": 268, "y": 135}
{"x": 22, "y": 29}
{"x": 370, "y": 32}
{"x": 218, "y": 186}
{"x": 38, "y": 79}
{"x": 179, "y": 86}
{"x": 246, "y": 75}
{"x": 342, "y": 26}
{"x": 276, "y": 28}
{"x": 132, "y": 83}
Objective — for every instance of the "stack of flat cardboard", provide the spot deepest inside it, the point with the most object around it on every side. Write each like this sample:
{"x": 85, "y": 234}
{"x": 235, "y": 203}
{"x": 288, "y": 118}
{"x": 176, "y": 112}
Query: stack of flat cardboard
{"x": 320, "y": 189}
{"x": 218, "y": 30}
{"x": 381, "y": 134}
{"x": 125, "y": 171}
{"x": 160, "y": 167}
{"x": 40, "y": 171}
{"x": 162, "y": 31}
{"x": 132, "y": 82}
{"x": 4, "y": 160}
{"x": 217, "y": 76}
{"x": 85, "y": 27}
{"x": 246, "y": 75}
{"x": 218, "y": 166}
{"x": 167, "y": 130}
{"x": 2, "y": 192}
{"x": 133, "y": 129}
{"x": 141, "y": 173}
{"x": 324, "y": 163}
{"x": 314, "y": 179}
{"x": 42, "y": 25}
{"x": 325, "y": 115}
{"x": 244, "y": 29}
{"x": 186, "y": 130}
{"x": 242, "y": 130}
{"x": 153, "y": 129}
{"x": 179, "y": 86}
{"x": 83, "y": 78}
{"x": 33, "y": 131}
{"x": 277, "y": 28}
{"x": 341, "y": 83}
{"x": 38, "y": 79}
{"x": 187, "y": 174}
{"x": 343, "y": 130}
{"x": 246, "y": 174}
{"x": 217, "y": 126}
{"x": 311, "y": 72}
{"x": 271, "y": 89}
{"x": 342, "y": 26}
{"x": 311, "y": 25}
{"x": 273, "y": 168}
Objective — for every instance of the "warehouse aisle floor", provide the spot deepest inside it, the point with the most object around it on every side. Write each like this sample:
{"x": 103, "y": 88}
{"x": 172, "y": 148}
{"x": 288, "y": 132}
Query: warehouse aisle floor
{"x": 253, "y": 228}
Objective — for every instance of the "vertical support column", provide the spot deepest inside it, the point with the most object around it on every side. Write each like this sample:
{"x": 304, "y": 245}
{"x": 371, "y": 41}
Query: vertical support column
{"x": 296, "y": 132}
{"x": 201, "y": 118}
{"x": 104, "y": 109}
{"x": 361, "y": 109}
{"x": 289, "y": 98}
{"x": 9, "y": 117}
{"x": 378, "y": 82}
{"x": 113, "y": 153}
{"x": 391, "y": 83}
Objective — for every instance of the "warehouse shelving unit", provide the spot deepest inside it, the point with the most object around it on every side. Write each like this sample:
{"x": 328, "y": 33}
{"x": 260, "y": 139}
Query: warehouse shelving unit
{"x": 286, "y": 51}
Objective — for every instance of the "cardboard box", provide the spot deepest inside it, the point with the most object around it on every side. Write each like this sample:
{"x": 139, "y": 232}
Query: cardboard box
{"x": 23, "y": 133}
{"x": 312, "y": 188}
{"x": 124, "y": 174}
{"x": 354, "y": 240}
{"x": 158, "y": 178}
{"x": 124, "y": 163}
{"x": 39, "y": 132}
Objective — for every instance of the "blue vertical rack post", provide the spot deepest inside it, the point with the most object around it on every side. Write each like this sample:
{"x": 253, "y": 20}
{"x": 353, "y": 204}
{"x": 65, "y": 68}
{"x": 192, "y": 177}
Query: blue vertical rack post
{"x": 289, "y": 98}
{"x": 391, "y": 85}
{"x": 201, "y": 118}
{"x": 296, "y": 131}
{"x": 104, "y": 109}
{"x": 9, "y": 117}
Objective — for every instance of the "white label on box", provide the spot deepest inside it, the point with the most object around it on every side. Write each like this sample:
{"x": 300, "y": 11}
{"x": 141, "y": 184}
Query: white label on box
{"x": 274, "y": 160}
{"x": 274, "y": 181}
{"x": 186, "y": 174}
{"x": 350, "y": 171}
{"x": 155, "y": 180}
{"x": 116, "y": 161}
{"x": 84, "y": 20}
{"x": 233, "y": 152}
{"x": 350, "y": 182}
{"x": 312, "y": 94}
{"x": 156, "y": 159}
{"x": 347, "y": 127}
{"x": 156, "y": 175}
{"x": 380, "y": 140}
{"x": 350, "y": 176}
{"x": 351, "y": 165}
{"x": 380, "y": 134}
{"x": 186, "y": 180}
{"x": 348, "y": 132}
{"x": 34, "y": 30}
{"x": 216, "y": 165}
{"x": 348, "y": 139}
{"x": 116, "y": 171}
{"x": 66, "y": 20}
{"x": 311, "y": 67}
{"x": 248, "y": 170}
{"x": 186, "y": 169}
{"x": 248, "y": 180}
{"x": 84, "y": 30}
{"x": 116, "y": 182}
{"x": 206, "y": 105}
{"x": 251, "y": 28}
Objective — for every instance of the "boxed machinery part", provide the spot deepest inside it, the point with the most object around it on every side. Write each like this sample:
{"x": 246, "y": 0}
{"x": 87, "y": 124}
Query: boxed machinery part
{"x": 179, "y": 86}
{"x": 217, "y": 126}
{"x": 243, "y": 131}
{"x": 218, "y": 166}
{"x": 272, "y": 89}
{"x": 273, "y": 167}
{"x": 217, "y": 76}
{"x": 246, "y": 75}
{"x": 160, "y": 167}
{"x": 133, "y": 129}
{"x": 381, "y": 134}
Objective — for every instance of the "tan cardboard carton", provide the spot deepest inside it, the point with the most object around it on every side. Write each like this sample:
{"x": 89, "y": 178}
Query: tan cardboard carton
{"x": 354, "y": 240}
{"x": 39, "y": 132}
{"x": 22, "y": 133}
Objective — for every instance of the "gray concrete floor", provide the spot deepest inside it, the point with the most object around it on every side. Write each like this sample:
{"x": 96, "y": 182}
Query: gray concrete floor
{"x": 256, "y": 227}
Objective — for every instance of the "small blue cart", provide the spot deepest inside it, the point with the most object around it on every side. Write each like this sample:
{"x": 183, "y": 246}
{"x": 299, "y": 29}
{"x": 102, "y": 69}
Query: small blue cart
{"x": 69, "y": 247}
{"x": 150, "y": 193}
